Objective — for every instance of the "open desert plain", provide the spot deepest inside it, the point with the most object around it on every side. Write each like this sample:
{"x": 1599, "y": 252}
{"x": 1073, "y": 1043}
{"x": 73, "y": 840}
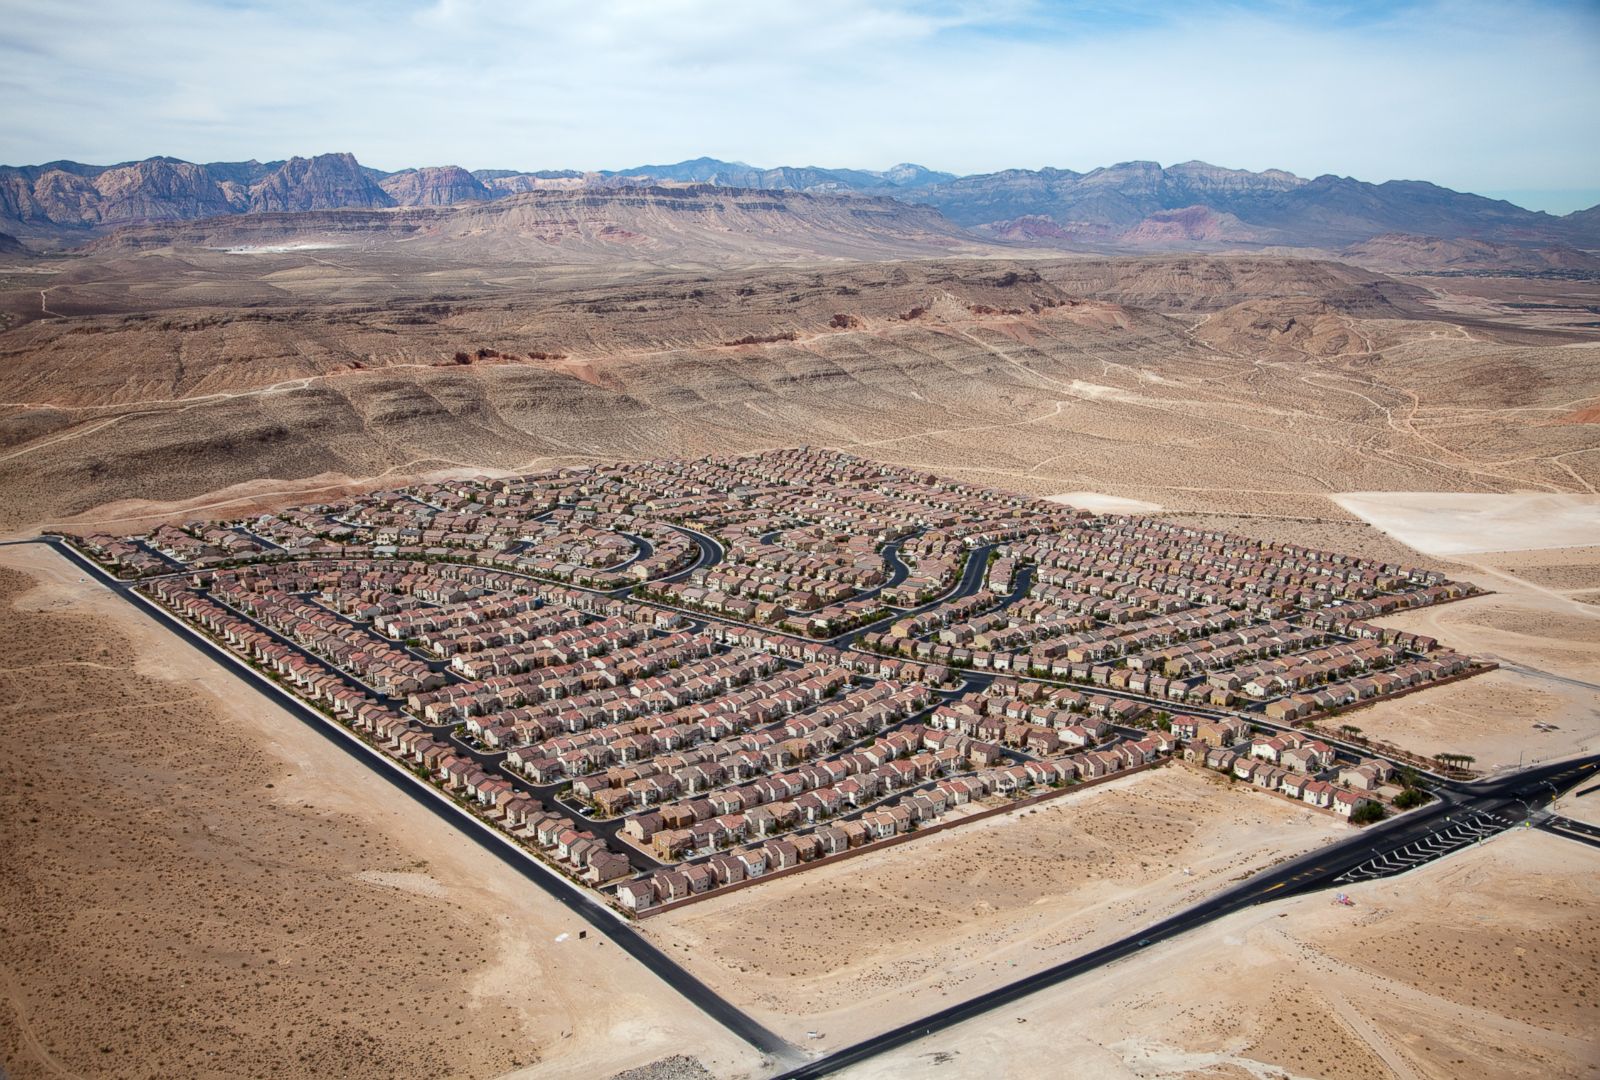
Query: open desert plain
{"x": 1041, "y": 613}
{"x": 199, "y": 883}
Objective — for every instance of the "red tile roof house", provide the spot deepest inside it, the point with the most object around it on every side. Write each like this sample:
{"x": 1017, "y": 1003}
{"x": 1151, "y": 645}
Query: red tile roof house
{"x": 1346, "y": 803}
{"x": 809, "y": 847}
{"x": 606, "y": 866}
{"x": 1269, "y": 749}
{"x": 549, "y": 828}
{"x": 921, "y": 807}
{"x": 1325, "y": 755}
{"x": 672, "y": 885}
{"x": 761, "y": 821}
{"x": 1269, "y": 776}
{"x": 856, "y": 832}
{"x": 1284, "y": 710}
{"x": 1300, "y": 758}
{"x": 1318, "y": 793}
{"x": 1294, "y": 785}
{"x": 566, "y": 839}
{"x": 701, "y": 878}
{"x": 878, "y": 823}
{"x": 580, "y": 851}
{"x": 1107, "y": 762}
{"x": 956, "y": 792}
{"x": 833, "y": 839}
{"x": 637, "y": 895}
{"x": 493, "y": 791}
{"x": 1040, "y": 772}
{"x": 642, "y": 826}
{"x": 781, "y": 854}
{"x": 474, "y": 780}
{"x": 904, "y": 819}
{"x": 728, "y": 869}
{"x": 1018, "y": 777}
{"x": 671, "y": 843}
{"x": 1367, "y": 776}
{"x": 518, "y": 808}
{"x": 455, "y": 769}
{"x": 754, "y": 862}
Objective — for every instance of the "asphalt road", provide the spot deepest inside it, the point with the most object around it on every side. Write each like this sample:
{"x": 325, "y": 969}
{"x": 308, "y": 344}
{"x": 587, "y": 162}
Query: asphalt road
{"x": 1312, "y": 871}
{"x": 576, "y": 899}
{"x": 1461, "y": 814}
{"x": 1580, "y": 831}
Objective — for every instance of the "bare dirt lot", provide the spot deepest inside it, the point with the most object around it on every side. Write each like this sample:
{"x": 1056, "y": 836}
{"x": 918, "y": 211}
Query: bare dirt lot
{"x": 1236, "y": 393}
{"x": 1542, "y": 704}
{"x": 1457, "y": 523}
{"x": 1484, "y": 964}
{"x": 1241, "y": 385}
{"x": 1540, "y": 623}
{"x": 1582, "y": 803}
{"x": 854, "y": 948}
{"x": 194, "y": 883}
{"x": 1103, "y": 504}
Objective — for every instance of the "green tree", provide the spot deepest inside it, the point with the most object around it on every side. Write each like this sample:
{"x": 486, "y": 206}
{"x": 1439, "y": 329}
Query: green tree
{"x": 1411, "y": 796}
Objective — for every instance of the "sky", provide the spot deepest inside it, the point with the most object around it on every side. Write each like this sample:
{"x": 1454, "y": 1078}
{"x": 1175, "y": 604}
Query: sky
{"x": 1497, "y": 98}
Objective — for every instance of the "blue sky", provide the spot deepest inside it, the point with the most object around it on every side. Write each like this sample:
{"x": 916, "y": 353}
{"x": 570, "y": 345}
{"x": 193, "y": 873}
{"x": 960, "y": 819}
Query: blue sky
{"x": 1489, "y": 97}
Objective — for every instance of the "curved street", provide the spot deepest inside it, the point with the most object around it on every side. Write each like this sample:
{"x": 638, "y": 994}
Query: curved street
{"x": 1461, "y": 814}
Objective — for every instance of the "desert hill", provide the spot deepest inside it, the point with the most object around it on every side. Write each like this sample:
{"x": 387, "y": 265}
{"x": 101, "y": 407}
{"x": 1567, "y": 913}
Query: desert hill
{"x": 1133, "y": 206}
{"x": 442, "y": 186}
{"x": 1115, "y": 207}
{"x": 172, "y": 373}
{"x": 704, "y": 170}
{"x": 1405, "y": 252}
{"x": 694, "y": 225}
{"x": 62, "y": 199}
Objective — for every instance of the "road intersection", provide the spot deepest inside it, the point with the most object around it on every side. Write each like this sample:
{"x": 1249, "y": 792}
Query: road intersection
{"x": 1461, "y": 815}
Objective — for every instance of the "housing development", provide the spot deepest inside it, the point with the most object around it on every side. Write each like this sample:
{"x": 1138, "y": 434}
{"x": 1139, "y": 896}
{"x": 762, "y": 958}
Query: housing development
{"x": 671, "y": 678}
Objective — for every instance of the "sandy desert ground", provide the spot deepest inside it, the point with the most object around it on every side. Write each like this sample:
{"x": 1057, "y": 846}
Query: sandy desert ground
{"x": 852, "y": 949}
{"x": 1235, "y": 393}
{"x": 1485, "y": 964}
{"x": 223, "y": 893}
{"x": 1544, "y": 701}
{"x": 1244, "y": 385}
{"x": 1103, "y": 504}
{"x": 1460, "y": 523}
{"x": 1582, "y": 803}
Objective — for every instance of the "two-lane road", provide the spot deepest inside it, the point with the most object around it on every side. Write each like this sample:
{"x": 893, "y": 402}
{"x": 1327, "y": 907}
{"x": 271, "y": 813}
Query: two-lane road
{"x": 1462, "y": 814}
{"x": 1312, "y": 871}
{"x": 578, "y": 900}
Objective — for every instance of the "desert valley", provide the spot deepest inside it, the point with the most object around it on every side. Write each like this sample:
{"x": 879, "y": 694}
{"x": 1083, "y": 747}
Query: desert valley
{"x": 706, "y": 620}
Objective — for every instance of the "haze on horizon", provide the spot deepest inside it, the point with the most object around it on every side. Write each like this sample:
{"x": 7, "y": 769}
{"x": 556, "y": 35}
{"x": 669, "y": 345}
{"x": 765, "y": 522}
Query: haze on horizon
{"x": 1470, "y": 95}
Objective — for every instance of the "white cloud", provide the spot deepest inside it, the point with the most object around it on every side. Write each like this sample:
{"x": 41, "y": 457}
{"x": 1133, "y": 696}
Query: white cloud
{"x": 1473, "y": 96}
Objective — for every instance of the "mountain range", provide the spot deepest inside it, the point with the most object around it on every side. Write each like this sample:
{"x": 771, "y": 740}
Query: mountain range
{"x": 1134, "y": 206}
{"x": 638, "y": 225}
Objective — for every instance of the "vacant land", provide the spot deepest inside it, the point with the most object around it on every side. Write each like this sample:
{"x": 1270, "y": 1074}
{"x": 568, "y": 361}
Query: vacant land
{"x": 1458, "y": 523}
{"x": 854, "y": 948}
{"x": 1239, "y": 391}
{"x": 1253, "y": 386}
{"x": 1103, "y": 504}
{"x": 193, "y": 883}
{"x": 1541, "y": 623}
{"x": 1543, "y": 703}
{"x": 1582, "y": 803}
{"x": 1483, "y": 964}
